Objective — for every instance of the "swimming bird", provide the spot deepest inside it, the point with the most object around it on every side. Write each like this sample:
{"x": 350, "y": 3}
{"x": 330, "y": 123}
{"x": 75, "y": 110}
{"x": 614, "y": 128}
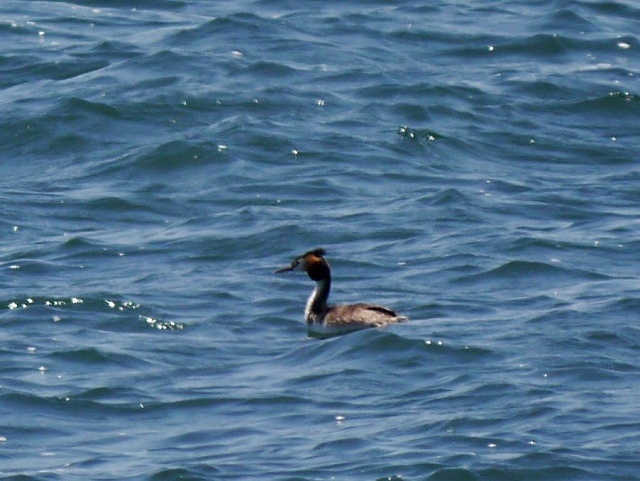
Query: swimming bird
{"x": 325, "y": 320}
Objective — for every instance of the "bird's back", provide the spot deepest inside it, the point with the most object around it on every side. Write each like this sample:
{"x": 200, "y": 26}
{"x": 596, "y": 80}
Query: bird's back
{"x": 361, "y": 316}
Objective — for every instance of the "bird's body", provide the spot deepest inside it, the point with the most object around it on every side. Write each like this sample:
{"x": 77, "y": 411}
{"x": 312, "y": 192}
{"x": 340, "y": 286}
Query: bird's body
{"x": 325, "y": 320}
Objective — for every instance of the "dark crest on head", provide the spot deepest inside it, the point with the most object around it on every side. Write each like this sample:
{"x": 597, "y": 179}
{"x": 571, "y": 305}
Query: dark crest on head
{"x": 320, "y": 252}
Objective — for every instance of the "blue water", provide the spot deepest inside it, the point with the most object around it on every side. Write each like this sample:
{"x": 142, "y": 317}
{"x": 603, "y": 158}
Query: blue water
{"x": 473, "y": 165}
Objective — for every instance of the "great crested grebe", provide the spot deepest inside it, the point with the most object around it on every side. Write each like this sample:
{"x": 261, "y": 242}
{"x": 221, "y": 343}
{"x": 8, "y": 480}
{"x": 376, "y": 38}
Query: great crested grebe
{"x": 325, "y": 320}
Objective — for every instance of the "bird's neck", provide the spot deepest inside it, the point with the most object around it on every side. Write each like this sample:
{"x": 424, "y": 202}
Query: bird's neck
{"x": 317, "y": 303}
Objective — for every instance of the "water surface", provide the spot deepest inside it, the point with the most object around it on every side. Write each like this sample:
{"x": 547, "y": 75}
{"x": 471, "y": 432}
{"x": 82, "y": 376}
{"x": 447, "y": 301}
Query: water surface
{"x": 472, "y": 166}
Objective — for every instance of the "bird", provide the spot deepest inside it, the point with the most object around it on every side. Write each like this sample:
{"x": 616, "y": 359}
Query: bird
{"x": 324, "y": 320}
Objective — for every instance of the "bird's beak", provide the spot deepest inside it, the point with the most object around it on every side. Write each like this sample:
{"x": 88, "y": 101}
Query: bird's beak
{"x": 285, "y": 269}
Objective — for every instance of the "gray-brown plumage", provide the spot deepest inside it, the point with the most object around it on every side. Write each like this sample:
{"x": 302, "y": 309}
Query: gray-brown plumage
{"x": 323, "y": 319}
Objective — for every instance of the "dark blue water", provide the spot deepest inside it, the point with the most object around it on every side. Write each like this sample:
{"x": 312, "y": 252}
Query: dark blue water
{"x": 472, "y": 165}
